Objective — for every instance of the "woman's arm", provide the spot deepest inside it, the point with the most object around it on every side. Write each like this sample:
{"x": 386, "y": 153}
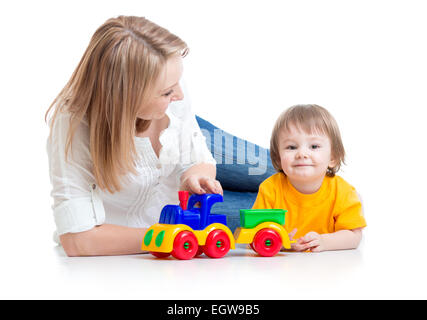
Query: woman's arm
{"x": 106, "y": 239}
{"x": 340, "y": 240}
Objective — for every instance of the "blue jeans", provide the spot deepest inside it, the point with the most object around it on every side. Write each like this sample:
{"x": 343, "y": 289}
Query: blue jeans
{"x": 241, "y": 167}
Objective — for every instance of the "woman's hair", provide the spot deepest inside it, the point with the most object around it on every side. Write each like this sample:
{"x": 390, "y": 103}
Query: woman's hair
{"x": 309, "y": 118}
{"x": 112, "y": 81}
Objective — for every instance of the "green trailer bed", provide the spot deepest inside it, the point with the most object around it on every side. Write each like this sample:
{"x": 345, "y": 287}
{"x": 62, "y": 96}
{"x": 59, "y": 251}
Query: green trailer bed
{"x": 250, "y": 218}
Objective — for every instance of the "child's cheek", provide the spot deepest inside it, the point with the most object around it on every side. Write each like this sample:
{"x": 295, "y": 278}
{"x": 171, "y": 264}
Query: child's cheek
{"x": 285, "y": 162}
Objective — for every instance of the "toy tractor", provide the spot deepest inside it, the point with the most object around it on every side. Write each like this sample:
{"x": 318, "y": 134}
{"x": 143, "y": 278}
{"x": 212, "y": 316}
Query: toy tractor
{"x": 185, "y": 233}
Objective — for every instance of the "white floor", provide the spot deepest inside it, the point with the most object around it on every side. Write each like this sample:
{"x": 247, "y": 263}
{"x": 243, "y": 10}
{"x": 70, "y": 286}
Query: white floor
{"x": 371, "y": 272}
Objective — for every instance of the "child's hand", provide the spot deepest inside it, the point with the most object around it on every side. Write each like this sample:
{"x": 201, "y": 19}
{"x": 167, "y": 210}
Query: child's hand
{"x": 292, "y": 234}
{"x": 295, "y": 246}
{"x": 311, "y": 241}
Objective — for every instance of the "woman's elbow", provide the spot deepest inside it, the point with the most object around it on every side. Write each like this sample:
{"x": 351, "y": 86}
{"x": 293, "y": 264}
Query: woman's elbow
{"x": 68, "y": 242}
{"x": 75, "y": 244}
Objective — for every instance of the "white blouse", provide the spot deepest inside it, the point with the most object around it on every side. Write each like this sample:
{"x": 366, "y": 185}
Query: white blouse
{"x": 79, "y": 204}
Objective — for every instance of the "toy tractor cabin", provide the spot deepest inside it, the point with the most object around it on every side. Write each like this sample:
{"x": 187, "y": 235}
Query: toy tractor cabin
{"x": 196, "y": 218}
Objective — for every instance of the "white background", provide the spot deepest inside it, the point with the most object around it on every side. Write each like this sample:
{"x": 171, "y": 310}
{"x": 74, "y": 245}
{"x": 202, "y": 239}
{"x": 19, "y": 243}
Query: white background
{"x": 365, "y": 61}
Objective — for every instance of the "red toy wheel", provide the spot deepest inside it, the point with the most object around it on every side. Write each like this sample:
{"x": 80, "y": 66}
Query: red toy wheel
{"x": 267, "y": 242}
{"x": 160, "y": 254}
{"x": 185, "y": 246}
{"x": 217, "y": 244}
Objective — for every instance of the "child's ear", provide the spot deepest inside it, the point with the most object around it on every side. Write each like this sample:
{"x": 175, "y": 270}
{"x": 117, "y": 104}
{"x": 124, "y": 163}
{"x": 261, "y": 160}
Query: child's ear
{"x": 332, "y": 163}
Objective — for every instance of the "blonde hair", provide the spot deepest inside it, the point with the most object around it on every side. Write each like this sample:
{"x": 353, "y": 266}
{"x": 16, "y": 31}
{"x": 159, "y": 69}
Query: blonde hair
{"x": 310, "y": 118}
{"x": 111, "y": 82}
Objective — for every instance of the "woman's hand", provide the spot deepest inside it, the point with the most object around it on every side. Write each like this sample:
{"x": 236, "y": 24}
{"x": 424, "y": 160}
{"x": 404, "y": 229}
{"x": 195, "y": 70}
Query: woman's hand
{"x": 200, "y": 179}
{"x": 201, "y": 184}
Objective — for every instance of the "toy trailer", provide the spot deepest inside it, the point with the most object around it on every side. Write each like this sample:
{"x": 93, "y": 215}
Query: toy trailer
{"x": 264, "y": 230}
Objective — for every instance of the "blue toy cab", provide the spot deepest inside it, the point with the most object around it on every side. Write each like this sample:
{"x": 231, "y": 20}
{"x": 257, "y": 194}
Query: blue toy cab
{"x": 197, "y": 218}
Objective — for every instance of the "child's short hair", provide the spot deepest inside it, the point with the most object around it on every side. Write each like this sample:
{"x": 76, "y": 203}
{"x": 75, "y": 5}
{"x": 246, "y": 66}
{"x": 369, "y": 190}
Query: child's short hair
{"x": 309, "y": 118}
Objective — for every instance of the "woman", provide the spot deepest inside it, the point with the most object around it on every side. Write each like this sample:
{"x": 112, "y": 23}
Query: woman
{"x": 123, "y": 140}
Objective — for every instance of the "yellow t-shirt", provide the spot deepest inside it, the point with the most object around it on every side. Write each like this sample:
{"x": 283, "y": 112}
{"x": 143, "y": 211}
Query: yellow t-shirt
{"x": 335, "y": 206}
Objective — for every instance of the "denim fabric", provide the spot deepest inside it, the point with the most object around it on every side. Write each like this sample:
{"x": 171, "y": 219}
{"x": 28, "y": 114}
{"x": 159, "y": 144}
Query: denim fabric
{"x": 241, "y": 167}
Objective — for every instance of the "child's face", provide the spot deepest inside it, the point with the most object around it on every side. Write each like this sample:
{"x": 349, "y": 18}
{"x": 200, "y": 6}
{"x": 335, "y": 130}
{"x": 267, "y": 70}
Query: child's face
{"x": 304, "y": 157}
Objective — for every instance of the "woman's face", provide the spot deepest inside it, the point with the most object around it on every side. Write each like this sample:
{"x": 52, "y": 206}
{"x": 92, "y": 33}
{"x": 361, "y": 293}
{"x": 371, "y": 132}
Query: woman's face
{"x": 165, "y": 90}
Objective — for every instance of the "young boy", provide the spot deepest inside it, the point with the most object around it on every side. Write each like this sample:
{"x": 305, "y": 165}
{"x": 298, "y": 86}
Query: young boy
{"x": 324, "y": 211}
